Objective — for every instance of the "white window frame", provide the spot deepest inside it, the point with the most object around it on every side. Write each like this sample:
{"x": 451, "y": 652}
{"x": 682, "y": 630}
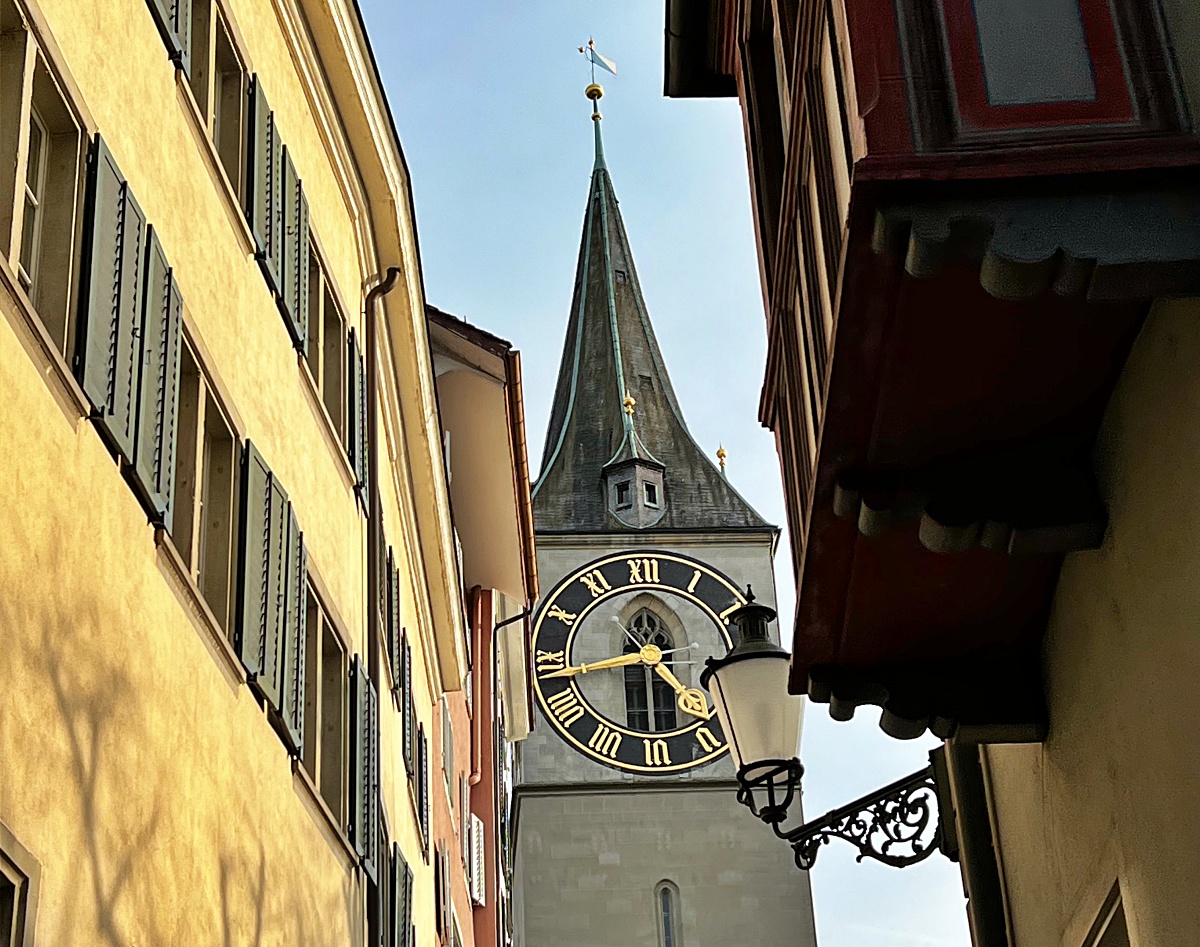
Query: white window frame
{"x": 37, "y": 198}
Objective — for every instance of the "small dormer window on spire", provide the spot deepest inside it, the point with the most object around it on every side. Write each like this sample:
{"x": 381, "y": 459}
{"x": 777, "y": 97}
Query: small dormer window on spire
{"x": 634, "y": 491}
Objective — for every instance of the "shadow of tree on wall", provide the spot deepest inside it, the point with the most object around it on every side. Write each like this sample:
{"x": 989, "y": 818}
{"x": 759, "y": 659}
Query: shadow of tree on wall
{"x": 104, "y": 752}
{"x": 91, "y": 691}
{"x": 240, "y": 883}
{"x": 293, "y": 915}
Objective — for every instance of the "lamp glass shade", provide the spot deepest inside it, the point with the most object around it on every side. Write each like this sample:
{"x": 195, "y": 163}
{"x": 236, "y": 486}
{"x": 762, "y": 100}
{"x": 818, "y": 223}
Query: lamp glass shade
{"x": 760, "y": 718}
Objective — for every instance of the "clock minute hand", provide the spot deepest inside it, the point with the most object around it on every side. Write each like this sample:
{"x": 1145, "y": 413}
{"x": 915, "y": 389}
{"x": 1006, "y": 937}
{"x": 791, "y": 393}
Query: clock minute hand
{"x": 691, "y": 700}
{"x": 624, "y": 659}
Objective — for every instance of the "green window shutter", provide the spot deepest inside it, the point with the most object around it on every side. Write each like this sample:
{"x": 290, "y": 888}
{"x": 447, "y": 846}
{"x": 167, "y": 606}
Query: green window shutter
{"x": 371, "y": 861}
{"x": 295, "y": 636}
{"x": 270, "y": 679}
{"x": 353, "y": 383}
{"x": 174, "y": 21}
{"x": 396, "y": 633}
{"x": 407, "y": 707}
{"x": 356, "y": 406}
{"x": 364, "y": 779}
{"x": 383, "y": 559}
{"x": 262, "y": 557}
{"x": 158, "y": 399}
{"x": 439, "y": 895}
{"x": 423, "y": 788}
{"x": 264, "y": 185}
{"x": 108, "y": 357}
{"x": 395, "y": 646}
{"x": 293, "y": 266}
{"x": 410, "y": 938}
{"x": 399, "y": 934}
{"x": 358, "y": 775}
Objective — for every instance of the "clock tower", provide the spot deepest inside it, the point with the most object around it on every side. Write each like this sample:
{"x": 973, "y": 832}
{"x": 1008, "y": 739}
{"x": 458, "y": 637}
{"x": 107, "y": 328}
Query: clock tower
{"x": 627, "y": 827}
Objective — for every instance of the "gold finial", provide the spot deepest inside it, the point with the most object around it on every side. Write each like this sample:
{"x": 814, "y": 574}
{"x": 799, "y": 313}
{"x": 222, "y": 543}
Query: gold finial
{"x": 594, "y": 92}
{"x": 629, "y": 403}
{"x": 721, "y": 455}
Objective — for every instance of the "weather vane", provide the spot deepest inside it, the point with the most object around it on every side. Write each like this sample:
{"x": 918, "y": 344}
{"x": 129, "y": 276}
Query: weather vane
{"x": 593, "y": 57}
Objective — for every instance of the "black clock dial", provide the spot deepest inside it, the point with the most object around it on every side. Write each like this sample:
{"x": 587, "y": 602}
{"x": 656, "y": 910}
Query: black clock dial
{"x": 567, "y": 622}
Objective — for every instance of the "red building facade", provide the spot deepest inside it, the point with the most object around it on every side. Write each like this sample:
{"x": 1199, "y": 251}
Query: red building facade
{"x": 968, "y": 215}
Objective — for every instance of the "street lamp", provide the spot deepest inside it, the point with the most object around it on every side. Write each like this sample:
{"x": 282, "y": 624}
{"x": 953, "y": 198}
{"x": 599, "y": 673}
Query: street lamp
{"x": 898, "y": 825}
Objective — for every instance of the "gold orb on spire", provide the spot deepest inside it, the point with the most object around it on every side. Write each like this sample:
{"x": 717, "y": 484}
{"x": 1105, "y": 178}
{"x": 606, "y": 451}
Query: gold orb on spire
{"x": 595, "y": 91}
{"x": 721, "y": 455}
{"x": 629, "y": 404}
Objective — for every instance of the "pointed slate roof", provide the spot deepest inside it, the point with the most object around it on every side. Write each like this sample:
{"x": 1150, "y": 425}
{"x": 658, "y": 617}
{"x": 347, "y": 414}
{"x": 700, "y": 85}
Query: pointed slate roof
{"x": 611, "y": 354}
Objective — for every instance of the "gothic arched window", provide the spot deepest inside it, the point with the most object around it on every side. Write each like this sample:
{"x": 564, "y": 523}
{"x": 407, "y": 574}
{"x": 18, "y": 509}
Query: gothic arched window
{"x": 666, "y": 897}
{"x": 649, "y": 700}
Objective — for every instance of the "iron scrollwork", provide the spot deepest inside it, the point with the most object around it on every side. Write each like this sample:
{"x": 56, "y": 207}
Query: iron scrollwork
{"x": 897, "y": 825}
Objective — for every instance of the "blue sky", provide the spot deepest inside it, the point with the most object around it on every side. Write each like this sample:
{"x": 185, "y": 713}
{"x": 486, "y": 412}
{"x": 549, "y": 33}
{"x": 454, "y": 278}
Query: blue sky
{"x": 488, "y": 99}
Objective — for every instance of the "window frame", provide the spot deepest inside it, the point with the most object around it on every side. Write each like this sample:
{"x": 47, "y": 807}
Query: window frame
{"x": 1113, "y": 102}
{"x": 36, "y": 63}
{"x": 22, "y": 871}
{"x": 28, "y": 278}
{"x": 447, "y": 722}
{"x": 322, "y": 291}
{"x": 1110, "y": 923}
{"x": 192, "y": 554}
{"x": 326, "y": 627}
{"x": 1136, "y": 95}
{"x": 644, "y": 681}
{"x": 218, "y": 22}
{"x": 666, "y": 908}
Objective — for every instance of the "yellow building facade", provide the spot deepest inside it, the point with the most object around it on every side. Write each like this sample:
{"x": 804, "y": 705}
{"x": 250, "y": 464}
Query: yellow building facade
{"x": 218, "y": 679}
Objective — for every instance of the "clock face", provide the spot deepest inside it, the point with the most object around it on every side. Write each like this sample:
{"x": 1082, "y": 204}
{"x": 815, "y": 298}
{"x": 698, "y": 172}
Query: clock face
{"x": 617, "y": 650}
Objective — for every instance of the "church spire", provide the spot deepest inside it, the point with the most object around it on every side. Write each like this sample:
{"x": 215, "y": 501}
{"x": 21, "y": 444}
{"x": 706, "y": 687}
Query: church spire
{"x": 618, "y": 454}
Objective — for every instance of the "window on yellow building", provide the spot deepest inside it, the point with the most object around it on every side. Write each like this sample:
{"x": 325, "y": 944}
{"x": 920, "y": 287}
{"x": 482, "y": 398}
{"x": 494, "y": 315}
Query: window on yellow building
{"x": 398, "y": 901}
{"x": 326, "y": 710}
{"x": 9, "y": 908}
{"x": 219, "y": 84}
{"x": 1110, "y": 928}
{"x": 326, "y": 345}
{"x": 206, "y": 475}
{"x": 18, "y": 892}
{"x": 41, "y": 186}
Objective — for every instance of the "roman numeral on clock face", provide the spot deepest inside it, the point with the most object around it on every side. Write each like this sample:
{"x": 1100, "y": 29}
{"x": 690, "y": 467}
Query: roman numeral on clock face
{"x": 549, "y": 661}
{"x": 657, "y": 753}
{"x": 595, "y": 582}
{"x": 566, "y": 707}
{"x": 642, "y": 570}
{"x": 605, "y": 740}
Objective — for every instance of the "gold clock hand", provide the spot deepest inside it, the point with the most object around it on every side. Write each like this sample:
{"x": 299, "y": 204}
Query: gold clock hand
{"x": 691, "y": 700}
{"x": 670, "y": 678}
{"x": 624, "y": 659}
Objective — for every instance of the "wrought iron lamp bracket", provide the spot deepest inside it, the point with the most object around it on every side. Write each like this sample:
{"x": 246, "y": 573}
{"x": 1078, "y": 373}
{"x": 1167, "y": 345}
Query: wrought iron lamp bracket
{"x": 897, "y": 825}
